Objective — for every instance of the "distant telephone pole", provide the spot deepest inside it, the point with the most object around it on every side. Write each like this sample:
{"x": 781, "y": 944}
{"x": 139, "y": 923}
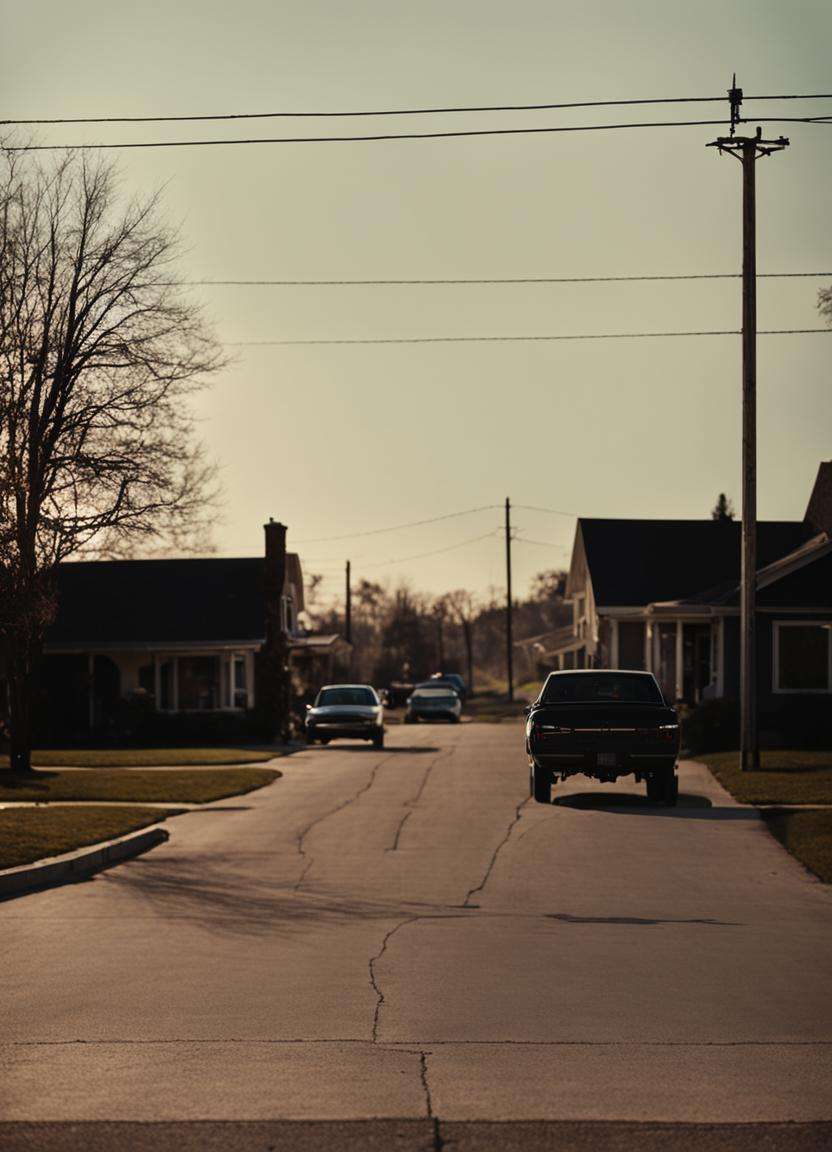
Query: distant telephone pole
{"x": 748, "y": 150}
{"x": 348, "y": 609}
{"x": 509, "y": 646}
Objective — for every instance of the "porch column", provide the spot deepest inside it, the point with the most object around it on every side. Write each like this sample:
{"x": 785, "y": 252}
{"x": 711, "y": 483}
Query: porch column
{"x": 720, "y": 657}
{"x": 157, "y": 683}
{"x": 613, "y": 643}
{"x": 648, "y": 646}
{"x": 680, "y": 668}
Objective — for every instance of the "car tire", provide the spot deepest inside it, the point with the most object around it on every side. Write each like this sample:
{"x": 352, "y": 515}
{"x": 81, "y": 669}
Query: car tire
{"x": 664, "y": 789}
{"x": 540, "y": 784}
{"x": 410, "y": 719}
{"x": 324, "y": 739}
{"x": 454, "y": 719}
{"x": 310, "y": 739}
{"x": 671, "y": 790}
{"x": 378, "y": 741}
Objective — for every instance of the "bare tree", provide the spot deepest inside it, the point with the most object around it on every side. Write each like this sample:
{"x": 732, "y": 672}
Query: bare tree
{"x": 100, "y": 352}
{"x": 825, "y": 304}
{"x": 463, "y": 608}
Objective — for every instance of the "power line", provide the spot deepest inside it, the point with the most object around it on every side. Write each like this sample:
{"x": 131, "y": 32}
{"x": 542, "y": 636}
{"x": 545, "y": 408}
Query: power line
{"x": 435, "y": 551}
{"x": 398, "y": 527}
{"x": 550, "y": 511}
{"x": 367, "y": 138}
{"x": 520, "y": 339}
{"x": 432, "y": 111}
{"x": 789, "y": 120}
{"x": 541, "y": 543}
{"x": 499, "y": 280}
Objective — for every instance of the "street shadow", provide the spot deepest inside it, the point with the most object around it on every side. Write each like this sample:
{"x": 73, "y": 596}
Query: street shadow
{"x": 565, "y": 918}
{"x": 223, "y": 808}
{"x": 689, "y": 806}
{"x": 223, "y": 901}
{"x": 410, "y": 749}
{"x": 36, "y": 781}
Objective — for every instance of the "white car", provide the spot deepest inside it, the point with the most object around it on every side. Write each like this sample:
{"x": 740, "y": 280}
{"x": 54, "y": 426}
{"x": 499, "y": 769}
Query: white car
{"x": 439, "y": 703}
{"x": 345, "y": 710}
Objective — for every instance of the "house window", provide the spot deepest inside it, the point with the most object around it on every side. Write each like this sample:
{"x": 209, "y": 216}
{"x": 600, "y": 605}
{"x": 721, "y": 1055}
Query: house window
{"x": 802, "y": 656}
{"x": 199, "y": 683}
{"x": 240, "y": 697}
{"x": 166, "y": 686}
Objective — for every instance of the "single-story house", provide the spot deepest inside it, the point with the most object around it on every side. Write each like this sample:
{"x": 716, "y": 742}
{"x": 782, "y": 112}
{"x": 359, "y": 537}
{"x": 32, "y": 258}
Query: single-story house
{"x": 176, "y": 637}
{"x": 663, "y": 595}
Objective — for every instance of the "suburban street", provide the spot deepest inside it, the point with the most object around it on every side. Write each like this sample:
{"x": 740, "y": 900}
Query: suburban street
{"x": 403, "y": 934}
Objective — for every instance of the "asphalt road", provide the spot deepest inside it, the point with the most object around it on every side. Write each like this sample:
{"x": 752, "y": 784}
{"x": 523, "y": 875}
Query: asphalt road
{"x": 404, "y": 935}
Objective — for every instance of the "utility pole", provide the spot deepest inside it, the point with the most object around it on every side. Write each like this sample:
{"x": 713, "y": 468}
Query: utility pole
{"x": 748, "y": 150}
{"x": 509, "y": 646}
{"x": 348, "y": 606}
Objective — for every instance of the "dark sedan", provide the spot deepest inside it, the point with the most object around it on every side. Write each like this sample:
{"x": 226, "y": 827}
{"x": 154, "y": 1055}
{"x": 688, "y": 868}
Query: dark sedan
{"x": 604, "y": 724}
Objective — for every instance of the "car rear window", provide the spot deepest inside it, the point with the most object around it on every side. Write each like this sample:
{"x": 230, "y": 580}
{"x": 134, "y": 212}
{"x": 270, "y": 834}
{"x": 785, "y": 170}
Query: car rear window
{"x": 601, "y": 688}
{"x": 357, "y": 696}
{"x": 435, "y": 694}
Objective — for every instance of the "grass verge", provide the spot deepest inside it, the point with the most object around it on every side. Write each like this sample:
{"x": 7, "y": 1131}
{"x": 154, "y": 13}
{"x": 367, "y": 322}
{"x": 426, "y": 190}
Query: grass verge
{"x": 29, "y": 834}
{"x": 785, "y": 777}
{"x": 134, "y": 785}
{"x": 141, "y": 757}
{"x": 807, "y": 835}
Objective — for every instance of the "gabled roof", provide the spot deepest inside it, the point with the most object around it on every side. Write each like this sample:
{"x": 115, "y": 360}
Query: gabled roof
{"x": 142, "y": 601}
{"x": 728, "y": 593}
{"x": 638, "y": 562}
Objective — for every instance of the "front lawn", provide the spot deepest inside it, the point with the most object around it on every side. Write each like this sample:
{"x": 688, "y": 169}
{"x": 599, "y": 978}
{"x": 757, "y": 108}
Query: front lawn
{"x": 151, "y": 786}
{"x": 807, "y": 835}
{"x": 29, "y": 834}
{"x": 492, "y": 708}
{"x": 787, "y": 777}
{"x": 141, "y": 757}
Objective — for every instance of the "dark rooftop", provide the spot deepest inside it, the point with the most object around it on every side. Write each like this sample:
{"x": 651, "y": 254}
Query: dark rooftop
{"x": 149, "y": 600}
{"x": 635, "y": 562}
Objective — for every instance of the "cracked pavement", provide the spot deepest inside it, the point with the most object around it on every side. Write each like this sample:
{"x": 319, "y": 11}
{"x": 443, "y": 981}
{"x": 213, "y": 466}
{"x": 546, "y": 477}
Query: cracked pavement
{"x": 402, "y": 934}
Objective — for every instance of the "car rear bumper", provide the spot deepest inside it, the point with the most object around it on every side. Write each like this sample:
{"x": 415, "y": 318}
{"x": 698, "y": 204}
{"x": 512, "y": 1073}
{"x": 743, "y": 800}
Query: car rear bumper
{"x": 606, "y": 761}
{"x": 434, "y": 714}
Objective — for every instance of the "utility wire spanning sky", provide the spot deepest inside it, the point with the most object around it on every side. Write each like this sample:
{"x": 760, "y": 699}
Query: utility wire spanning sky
{"x": 337, "y": 439}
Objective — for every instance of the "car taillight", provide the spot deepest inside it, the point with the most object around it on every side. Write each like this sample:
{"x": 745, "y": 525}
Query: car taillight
{"x": 668, "y": 731}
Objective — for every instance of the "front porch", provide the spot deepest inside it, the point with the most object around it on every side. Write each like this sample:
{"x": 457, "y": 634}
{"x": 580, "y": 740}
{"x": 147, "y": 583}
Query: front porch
{"x": 95, "y": 690}
{"x": 686, "y": 653}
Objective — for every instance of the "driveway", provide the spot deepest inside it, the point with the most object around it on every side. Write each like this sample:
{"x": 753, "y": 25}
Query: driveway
{"x": 404, "y": 934}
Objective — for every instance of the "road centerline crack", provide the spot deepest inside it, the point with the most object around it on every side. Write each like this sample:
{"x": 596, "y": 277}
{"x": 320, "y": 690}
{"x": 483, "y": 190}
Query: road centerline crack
{"x": 466, "y": 903}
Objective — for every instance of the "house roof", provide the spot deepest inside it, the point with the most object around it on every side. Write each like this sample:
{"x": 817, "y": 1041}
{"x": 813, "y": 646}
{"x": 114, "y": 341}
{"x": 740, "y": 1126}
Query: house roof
{"x": 638, "y": 562}
{"x": 138, "y": 601}
{"x": 318, "y": 642}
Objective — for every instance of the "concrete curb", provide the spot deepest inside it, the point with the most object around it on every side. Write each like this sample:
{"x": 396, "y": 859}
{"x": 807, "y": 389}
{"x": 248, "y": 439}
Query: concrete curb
{"x": 78, "y": 865}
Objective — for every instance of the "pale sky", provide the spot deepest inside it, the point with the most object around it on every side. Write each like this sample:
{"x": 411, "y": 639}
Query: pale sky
{"x": 339, "y": 439}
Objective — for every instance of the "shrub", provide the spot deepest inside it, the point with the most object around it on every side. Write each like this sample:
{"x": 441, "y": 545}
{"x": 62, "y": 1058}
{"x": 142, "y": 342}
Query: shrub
{"x": 713, "y": 726}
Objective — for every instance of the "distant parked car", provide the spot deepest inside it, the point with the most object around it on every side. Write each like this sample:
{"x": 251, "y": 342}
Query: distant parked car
{"x": 453, "y": 679}
{"x": 432, "y": 702}
{"x": 346, "y": 711}
{"x": 604, "y": 724}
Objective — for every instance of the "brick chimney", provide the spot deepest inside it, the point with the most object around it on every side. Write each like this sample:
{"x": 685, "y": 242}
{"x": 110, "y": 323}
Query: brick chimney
{"x": 271, "y": 671}
{"x": 275, "y": 579}
{"x": 819, "y": 509}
